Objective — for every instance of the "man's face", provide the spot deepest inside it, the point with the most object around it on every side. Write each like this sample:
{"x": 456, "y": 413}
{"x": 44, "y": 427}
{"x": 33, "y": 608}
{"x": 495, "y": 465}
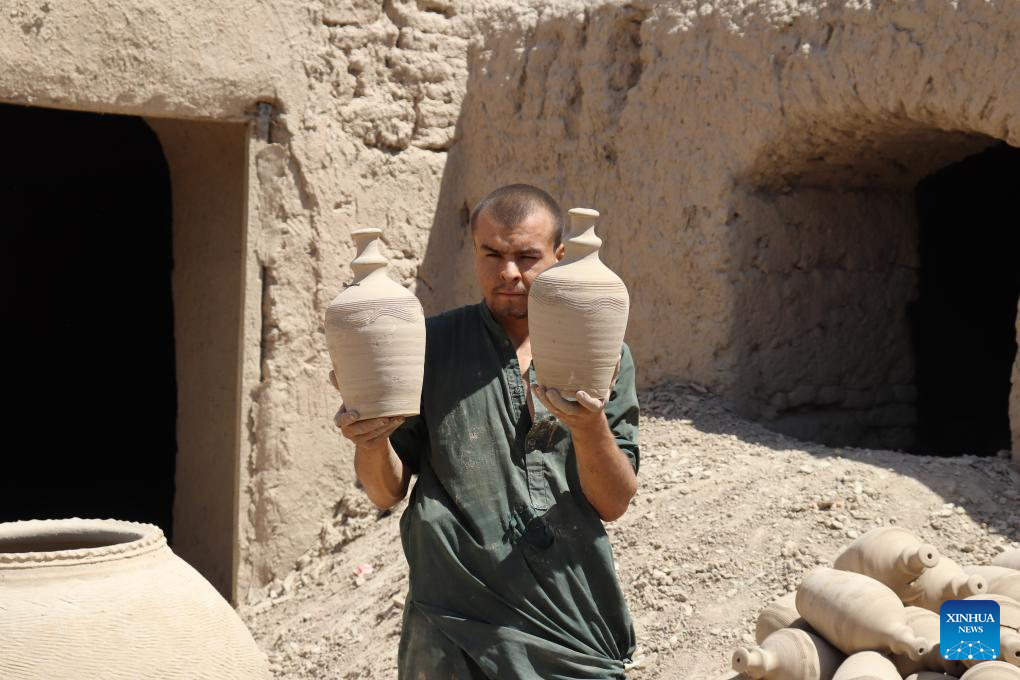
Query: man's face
{"x": 508, "y": 259}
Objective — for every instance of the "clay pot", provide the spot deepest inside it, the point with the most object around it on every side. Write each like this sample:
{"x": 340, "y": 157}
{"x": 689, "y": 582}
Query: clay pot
{"x": 108, "y": 599}
{"x": 926, "y": 624}
{"x": 1000, "y": 580}
{"x": 945, "y": 581}
{"x": 375, "y": 332}
{"x": 867, "y": 666}
{"x": 788, "y": 654}
{"x": 856, "y": 613}
{"x": 1009, "y": 609}
{"x": 780, "y": 614}
{"x": 992, "y": 670}
{"x": 1010, "y": 559}
{"x": 577, "y": 315}
{"x": 891, "y": 555}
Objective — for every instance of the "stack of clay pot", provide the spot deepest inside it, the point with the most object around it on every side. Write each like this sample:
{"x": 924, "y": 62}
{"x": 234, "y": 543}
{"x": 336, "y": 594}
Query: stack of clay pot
{"x": 375, "y": 333}
{"x": 577, "y": 315}
{"x": 874, "y": 616}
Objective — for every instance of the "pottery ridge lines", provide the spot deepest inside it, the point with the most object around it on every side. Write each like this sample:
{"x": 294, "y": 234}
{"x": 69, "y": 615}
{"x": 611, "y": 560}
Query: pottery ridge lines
{"x": 551, "y": 297}
{"x": 367, "y": 312}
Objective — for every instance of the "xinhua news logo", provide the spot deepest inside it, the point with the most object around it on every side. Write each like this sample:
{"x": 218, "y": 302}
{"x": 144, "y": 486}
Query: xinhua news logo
{"x": 969, "y": 629}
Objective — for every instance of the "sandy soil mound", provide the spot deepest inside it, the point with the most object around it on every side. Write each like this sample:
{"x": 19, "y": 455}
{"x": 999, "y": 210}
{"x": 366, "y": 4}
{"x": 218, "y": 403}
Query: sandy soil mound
{"x": 728, "y": 516}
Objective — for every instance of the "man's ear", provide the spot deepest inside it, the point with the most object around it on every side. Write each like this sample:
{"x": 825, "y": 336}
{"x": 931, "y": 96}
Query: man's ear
{"x": 561, "y": 249}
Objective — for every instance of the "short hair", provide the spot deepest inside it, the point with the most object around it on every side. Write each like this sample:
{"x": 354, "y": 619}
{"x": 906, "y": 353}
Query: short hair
{"x": 514, "y": 203}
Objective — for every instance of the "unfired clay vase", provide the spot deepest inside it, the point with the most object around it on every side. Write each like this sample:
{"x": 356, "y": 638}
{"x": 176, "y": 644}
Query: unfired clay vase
{"x": 945, "y": 581}
{"x": 1010, "y": 558}
{"x": 926, "y": 624}
{"x": 108, "y": 599}
{"x": 577, "y": 315}
{"x": 375, "y": 332}
{"x": 891, "y": 555}
{"x": 788, "y": 654}
{"x": 1009, "y": 648}
{"x": 992, "y": 670}
{"x": 780, "y": 614}
{"x": 856, "y": 613}
{"x": 867, "y": 666}
{"x": 1000, "y": 580}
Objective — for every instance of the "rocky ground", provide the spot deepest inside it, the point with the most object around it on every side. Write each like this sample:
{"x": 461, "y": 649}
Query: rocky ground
{"x": 728, "y": 516}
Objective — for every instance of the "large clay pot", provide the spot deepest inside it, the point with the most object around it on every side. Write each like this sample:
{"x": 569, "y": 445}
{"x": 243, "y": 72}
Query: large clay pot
{"x": 108, "y": 599}
{"x": 891, "y": 555}
{"x": 856, "y": 613}
{"x": 375, "y": 332}
{"x": 577, "y": 315}
{"x": 788, "y": 654}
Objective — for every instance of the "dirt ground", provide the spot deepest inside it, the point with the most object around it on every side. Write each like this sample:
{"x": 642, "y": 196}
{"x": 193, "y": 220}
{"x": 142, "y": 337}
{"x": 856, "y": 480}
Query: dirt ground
{"x": 728, "y": 516}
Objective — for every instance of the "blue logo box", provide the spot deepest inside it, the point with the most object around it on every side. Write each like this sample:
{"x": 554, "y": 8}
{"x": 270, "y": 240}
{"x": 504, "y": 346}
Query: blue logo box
{"x": 969, "y": 629}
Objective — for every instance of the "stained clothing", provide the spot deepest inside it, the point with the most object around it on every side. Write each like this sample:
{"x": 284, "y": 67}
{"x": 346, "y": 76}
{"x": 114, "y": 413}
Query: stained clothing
{"x": 511, "y": 572}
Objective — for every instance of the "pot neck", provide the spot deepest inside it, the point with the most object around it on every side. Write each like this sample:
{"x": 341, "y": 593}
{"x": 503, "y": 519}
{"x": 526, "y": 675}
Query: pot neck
{"x": 369, "y": 261}
{"x": 582, "y": 242}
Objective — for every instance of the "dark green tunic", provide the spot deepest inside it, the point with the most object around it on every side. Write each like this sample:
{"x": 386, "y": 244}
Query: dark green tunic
{"x": 511, "y": 573}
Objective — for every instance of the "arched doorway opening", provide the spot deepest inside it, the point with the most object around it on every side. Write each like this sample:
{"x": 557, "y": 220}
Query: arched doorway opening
{"x": 90, "y": 374}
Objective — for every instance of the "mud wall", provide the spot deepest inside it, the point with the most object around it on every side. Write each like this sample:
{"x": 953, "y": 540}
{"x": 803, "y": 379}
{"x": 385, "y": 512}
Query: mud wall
{"x": 697, "y": 129}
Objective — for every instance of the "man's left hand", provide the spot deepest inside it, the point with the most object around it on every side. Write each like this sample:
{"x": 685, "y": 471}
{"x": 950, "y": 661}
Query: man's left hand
{"x": 585, "y": 414}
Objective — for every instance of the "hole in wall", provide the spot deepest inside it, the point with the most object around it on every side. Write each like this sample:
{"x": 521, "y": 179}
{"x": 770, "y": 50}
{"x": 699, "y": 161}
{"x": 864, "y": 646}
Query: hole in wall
{"x": 90, "y": 375}
{"x": 857, "y": 322}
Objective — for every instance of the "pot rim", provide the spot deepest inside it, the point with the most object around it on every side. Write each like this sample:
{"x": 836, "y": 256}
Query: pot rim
{"x": 126, "y": 539}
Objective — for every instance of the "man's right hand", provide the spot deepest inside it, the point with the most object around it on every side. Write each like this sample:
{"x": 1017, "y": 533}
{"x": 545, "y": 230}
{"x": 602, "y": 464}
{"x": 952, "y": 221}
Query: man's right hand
{"x": 369, "y": 432}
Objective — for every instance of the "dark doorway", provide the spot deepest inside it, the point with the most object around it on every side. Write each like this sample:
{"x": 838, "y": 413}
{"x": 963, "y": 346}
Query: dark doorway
{"x": 89, "y": 346}
{"x": 963, "y": 321}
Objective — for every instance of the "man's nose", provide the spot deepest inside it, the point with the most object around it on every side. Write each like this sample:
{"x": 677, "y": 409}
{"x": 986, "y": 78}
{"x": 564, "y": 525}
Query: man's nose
{"x": 510, "y": 272}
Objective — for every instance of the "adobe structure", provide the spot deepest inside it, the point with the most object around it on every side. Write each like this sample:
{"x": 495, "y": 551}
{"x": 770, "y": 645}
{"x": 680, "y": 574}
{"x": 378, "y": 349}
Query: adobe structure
{"x": 813, "y": 204}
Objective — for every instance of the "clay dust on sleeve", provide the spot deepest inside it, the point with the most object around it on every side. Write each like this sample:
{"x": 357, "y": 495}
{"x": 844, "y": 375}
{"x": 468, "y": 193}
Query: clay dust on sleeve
{"x": 728, "y": 517}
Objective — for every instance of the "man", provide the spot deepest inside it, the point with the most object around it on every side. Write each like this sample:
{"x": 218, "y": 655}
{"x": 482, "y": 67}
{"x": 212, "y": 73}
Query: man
{"x": 511, "y": 573}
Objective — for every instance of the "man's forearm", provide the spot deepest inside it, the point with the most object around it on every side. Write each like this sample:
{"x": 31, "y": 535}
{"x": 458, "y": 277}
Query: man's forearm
{"x": 607, "y": 478}
{"x": 382, "y": 473}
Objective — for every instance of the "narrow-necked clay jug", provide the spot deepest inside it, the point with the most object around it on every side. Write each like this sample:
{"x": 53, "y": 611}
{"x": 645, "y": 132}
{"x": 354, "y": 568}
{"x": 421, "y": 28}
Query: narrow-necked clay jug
{"x": 375, "y": 332}
{"x": 1009, "y": 649}
{"x": 1010, "y": 559}
{"x": 891, "y": 555}
{"x": 945, "y": 581}
{"x": 577, "y": 315}
{"x": 867, "y": 666}
{"x": 108, "y": 599}
{"x": 992, "y": 670}
{"x": 788, "y": 654}
{"x": 1000, "y": 580}
{"x": 856, "y": 613}
{"x": 780, "y": 614}
{"x": 926, "y": 624}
